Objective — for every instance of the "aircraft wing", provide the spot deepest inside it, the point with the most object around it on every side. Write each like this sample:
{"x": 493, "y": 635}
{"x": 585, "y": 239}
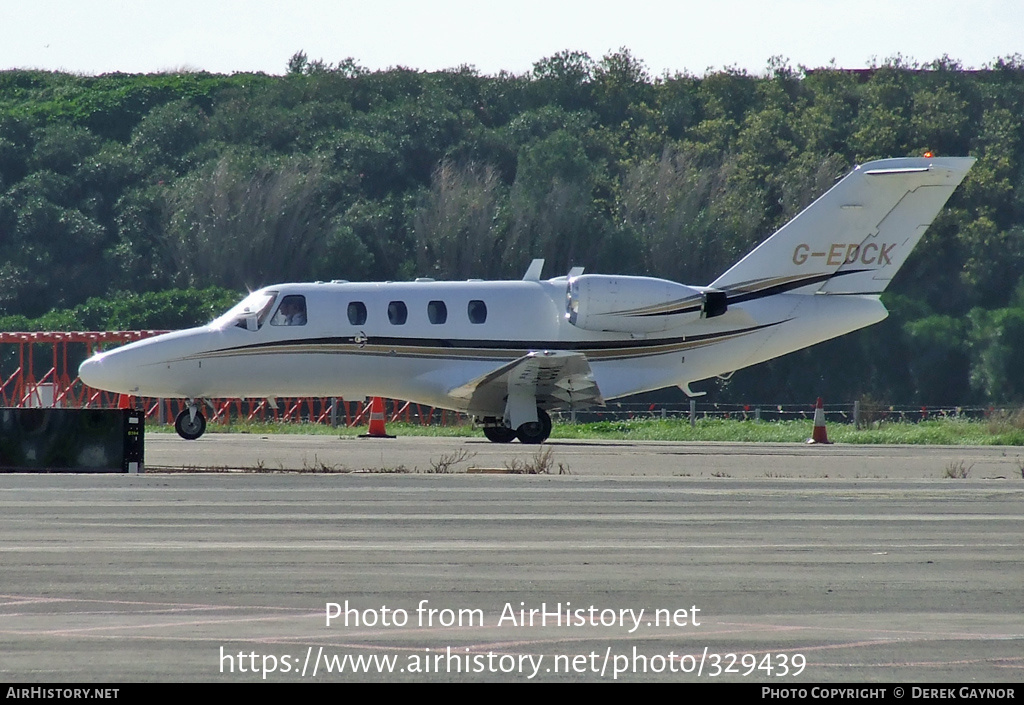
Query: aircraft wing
{"x": 558, "y": 379}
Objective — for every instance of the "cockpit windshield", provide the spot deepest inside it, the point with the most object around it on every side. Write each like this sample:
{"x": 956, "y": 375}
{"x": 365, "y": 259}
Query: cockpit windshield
{"x": 249, "y": 313}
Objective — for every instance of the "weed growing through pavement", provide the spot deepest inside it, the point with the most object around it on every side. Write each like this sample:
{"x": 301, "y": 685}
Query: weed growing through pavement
{"x": 957, "y": 470}
{"x": 542, "y": 463}
{"x": 447, "y": 462}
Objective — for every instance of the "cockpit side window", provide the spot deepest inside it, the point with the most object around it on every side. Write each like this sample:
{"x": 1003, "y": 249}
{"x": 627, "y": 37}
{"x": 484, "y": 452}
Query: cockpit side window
{"x": 291, "y": 312}
{"x": 357, "y": 313}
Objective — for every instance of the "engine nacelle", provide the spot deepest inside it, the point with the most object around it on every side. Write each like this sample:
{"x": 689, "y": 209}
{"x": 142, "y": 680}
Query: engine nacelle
{"x": 637, "y": 304}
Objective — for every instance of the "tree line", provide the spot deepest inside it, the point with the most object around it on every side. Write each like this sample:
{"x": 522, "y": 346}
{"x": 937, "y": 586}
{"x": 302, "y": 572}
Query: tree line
{"x": 123, "y": 198}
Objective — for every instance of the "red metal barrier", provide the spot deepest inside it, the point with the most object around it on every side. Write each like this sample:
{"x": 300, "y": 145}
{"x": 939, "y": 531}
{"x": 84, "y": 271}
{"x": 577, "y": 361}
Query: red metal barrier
{"x": 22, "y": 354}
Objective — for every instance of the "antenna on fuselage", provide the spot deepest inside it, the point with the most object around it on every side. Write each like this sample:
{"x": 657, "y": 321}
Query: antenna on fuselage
{"x": 534, "y": 272}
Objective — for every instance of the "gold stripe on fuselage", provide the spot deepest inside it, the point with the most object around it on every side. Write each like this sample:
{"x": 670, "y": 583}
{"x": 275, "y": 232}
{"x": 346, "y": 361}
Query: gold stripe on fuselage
{"x": 469, "y": 352}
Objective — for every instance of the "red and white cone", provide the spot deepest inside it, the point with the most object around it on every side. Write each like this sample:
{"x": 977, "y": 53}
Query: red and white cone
{"x": 124, "y": 401}
{"x": 819, "y": 435}
{"x": 377, "y": 429}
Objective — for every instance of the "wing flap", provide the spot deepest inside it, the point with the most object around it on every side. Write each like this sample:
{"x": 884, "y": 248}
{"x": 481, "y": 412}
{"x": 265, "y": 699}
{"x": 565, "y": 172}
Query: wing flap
{"x": 558, "y": 379}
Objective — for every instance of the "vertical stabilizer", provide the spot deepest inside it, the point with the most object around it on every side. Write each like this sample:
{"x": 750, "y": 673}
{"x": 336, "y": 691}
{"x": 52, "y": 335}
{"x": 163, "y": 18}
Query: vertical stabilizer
{"x": 854, "y": 238}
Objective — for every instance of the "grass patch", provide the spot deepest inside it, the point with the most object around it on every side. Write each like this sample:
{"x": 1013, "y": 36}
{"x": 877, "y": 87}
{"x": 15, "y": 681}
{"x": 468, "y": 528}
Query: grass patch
{"x": 680, "y": 430}
{"x": 932, "y": 432}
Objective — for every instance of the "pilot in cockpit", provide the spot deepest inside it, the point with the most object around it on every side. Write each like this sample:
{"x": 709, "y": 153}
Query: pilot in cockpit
{"x": 292, "y": 312}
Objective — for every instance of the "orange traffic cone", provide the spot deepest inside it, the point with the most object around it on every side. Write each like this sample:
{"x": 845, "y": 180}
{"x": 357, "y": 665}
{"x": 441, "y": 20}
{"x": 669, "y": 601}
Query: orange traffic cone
{"x": 377, "y": 429}
{"x": 820, "y": 435}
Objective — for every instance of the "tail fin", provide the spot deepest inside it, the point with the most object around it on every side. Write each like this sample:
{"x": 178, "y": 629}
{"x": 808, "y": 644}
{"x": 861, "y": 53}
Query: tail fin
{"x": 854, "y": 238}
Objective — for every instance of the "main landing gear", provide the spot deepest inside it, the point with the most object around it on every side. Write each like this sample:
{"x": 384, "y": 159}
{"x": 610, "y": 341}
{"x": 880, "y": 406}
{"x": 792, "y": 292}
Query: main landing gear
{"x": 190, "y": 423}
{"x": 530, "y": 433}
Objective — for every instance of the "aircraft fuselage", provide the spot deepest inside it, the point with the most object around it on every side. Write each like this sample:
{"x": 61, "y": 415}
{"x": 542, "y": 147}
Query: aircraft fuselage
{"x": 423, "y": 361}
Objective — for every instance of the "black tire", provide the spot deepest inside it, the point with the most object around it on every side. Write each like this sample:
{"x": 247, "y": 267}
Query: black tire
{"x": 189, "y": 429}
{"x": 499, "y": 434}
{"x": 545, "y": 422}
{"x": 534, "y": 433}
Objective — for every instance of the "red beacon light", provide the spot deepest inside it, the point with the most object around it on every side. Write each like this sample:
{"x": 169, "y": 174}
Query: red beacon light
{"x": 928, "y": 155}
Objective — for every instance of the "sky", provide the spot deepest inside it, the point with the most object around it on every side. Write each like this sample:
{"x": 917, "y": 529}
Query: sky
{"x": 228, "y": 36}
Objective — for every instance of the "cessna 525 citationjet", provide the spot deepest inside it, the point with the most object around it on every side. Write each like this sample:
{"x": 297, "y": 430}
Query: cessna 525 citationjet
{"x": 508, "y": 352}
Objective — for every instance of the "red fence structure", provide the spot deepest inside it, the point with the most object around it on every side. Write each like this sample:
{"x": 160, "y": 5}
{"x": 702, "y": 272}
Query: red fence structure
{"x": 26, "y": 381}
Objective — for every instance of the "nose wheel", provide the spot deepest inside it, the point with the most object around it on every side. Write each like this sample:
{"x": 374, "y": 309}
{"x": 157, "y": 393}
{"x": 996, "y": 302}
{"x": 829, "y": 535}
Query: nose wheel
{"x": 190, "y": 423}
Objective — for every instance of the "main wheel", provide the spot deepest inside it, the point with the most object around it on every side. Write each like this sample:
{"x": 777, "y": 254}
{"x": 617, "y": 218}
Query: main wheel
{"x": 499, "y": 434}
{"x": 534, "y": 433}
{"x": 545, "y": 421}
{"x": 189, "y": 428}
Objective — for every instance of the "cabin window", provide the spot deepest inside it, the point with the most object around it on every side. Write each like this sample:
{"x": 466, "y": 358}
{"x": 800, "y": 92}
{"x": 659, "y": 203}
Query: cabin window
{"x": 291, "y": 312}
{"x": 437, "y": 312}
{"x": 397, "y": 313}
{"x": 357, "y": 313}
{"x": 477, "y": 311}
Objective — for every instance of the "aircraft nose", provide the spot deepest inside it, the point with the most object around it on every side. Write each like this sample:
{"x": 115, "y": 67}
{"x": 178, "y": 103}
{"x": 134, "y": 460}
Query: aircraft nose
{"x": 98, "y": 373}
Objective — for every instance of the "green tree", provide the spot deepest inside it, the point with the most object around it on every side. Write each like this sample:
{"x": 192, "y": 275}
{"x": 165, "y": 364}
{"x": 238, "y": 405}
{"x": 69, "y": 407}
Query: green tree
{"x": 240, "y": 223}
{"x": 62, "y": 148}
{"x": 168, "y": 136}
{"x": 621, "y": 84}
{"x": 677, "y": 211}
{"x": 51, "y": 251}
{"x": 457, "y": 232}
{"x": 939, "y": 364}
{"x": 996, "y": 343}
{"x": 552, "y": 205}
{"x": 564, "y": 79}
{"x": 882, "y": 127}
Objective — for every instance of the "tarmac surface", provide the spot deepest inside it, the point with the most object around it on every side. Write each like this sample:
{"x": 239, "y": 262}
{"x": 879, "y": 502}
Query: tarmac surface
{"x": 769, "y": 563}
{"x": 165, "y": 451}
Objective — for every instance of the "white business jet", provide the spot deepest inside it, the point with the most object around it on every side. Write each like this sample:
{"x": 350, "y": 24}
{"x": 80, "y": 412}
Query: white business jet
{"x": 508, "y": 352}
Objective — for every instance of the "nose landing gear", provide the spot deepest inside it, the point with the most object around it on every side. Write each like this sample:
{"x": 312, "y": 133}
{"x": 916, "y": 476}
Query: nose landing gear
{"x": 190, "y": 423}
